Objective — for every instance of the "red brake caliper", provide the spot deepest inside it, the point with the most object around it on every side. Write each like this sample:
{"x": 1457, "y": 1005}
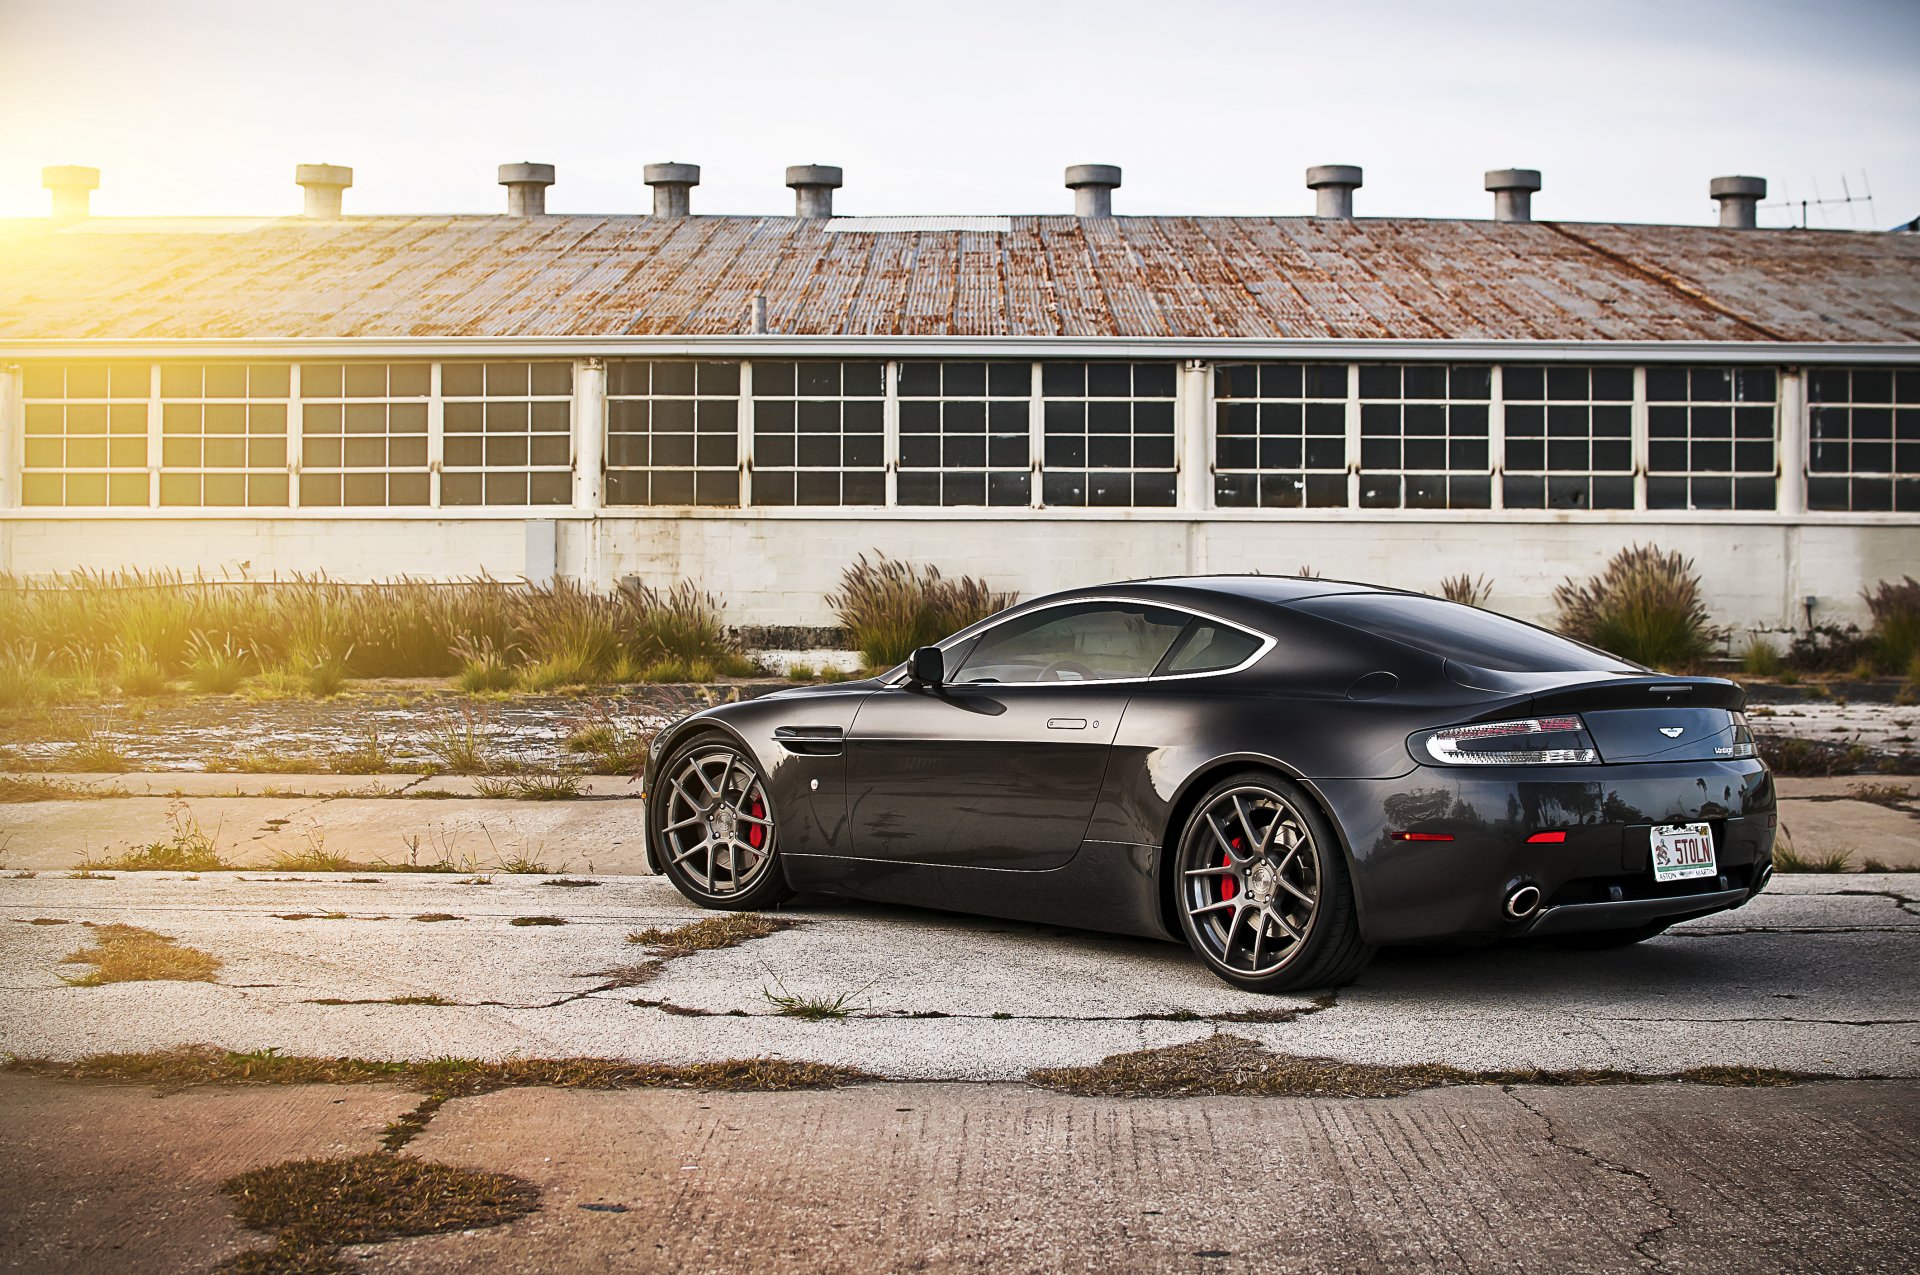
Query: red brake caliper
{"x": 757, "y": 833}
{"x": 1228, "y": 886}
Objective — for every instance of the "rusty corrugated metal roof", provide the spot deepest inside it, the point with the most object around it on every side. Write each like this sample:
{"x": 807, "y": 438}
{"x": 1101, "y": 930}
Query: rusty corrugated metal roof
{"x": 1193, "y": 277}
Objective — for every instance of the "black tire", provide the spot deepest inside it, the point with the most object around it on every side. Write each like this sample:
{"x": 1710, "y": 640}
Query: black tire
{"x": 1290, "y": 853}
{"x": 711, "y": 788}
{"x": 1601, "y": 940}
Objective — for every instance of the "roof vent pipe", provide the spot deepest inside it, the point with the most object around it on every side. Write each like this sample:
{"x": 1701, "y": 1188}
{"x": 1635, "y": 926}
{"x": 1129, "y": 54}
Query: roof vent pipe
{"x": 1739, "y": 200}
{"x": 672, "y": 188}
{"x": 72, "y": 187}
{"x": 1093, "y": 186}
{"x": 1333, "y": 185}
{"x": 757, "y": 314}
{"x": 323, "y": 184}
{"x": 1513, "y": 192}
{"x": 813, "y": 187}
{"x": 526, "y": 188}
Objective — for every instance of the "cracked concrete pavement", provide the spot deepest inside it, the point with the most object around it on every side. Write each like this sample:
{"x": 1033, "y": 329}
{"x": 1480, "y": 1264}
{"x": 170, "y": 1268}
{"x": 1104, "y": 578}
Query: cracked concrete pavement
{"x": 255, "y": 819}
{"x": 1816, "y": 975}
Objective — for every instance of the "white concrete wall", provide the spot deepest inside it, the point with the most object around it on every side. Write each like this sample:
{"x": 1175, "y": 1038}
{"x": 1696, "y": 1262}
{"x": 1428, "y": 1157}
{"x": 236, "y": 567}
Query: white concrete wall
{"x": 775, "y": 566}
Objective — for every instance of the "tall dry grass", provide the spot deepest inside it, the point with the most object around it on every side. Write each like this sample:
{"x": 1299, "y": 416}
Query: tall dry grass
{"x": 1646, "y": 606}
{"x": 890, "y": 607}
{"x": 137, "y": 632}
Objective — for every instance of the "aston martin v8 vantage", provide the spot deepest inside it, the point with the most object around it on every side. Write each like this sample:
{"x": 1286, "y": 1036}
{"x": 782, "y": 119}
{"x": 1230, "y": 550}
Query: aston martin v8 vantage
{"x": 1283, "y": 773}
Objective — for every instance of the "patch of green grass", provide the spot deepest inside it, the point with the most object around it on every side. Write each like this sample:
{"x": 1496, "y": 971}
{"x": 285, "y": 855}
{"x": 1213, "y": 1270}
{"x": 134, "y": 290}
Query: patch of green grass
{"x": 186, "y": 848}
{"x": 522, "y": 865}
{"x": 548, "y": 787}
{"x": 1225, "y": 1064}
{"x": 1760, "y": 657}
{"x": 801, "y": 672}
{"x": 215, "y": 668}
{"x": 814, "y": 1009}
{"x": 129, "y": 954}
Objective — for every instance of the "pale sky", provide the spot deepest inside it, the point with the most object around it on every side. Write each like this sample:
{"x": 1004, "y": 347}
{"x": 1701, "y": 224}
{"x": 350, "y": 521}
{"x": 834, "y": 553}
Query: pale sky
{"x": 203, "y": 107}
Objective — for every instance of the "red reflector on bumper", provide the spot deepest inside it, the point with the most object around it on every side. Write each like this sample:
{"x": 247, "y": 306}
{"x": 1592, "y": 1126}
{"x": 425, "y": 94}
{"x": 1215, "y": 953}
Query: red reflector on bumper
{"x": 1421, "y": 836}
{"x": 1546, "y": 838}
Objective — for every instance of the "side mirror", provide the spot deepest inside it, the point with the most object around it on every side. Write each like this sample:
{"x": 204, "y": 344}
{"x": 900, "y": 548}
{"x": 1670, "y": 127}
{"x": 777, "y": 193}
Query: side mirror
{"x": 928, "y": 666}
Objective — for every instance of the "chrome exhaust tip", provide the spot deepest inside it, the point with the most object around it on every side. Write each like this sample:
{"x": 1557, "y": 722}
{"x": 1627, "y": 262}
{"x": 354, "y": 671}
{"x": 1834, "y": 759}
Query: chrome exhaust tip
{"x": 1523, "y": 902}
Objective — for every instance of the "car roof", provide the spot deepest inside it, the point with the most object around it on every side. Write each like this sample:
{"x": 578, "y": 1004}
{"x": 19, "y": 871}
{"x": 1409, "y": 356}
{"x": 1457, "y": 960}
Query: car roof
{"x": 1228, "y": 589}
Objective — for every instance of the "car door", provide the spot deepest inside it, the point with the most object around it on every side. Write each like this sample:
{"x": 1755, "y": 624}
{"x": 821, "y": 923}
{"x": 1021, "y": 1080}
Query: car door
{"x": 1000, "y": 767}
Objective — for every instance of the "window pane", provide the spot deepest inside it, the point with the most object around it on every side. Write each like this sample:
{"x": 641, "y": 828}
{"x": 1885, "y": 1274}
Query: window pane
{"x": 1095, "y": 642}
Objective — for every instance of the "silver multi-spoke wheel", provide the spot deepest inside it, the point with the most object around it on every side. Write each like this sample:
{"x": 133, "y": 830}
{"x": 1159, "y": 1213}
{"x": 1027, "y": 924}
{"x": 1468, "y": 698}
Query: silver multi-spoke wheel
{"x": 716, "y": 826}
{"x": 1250, "y": 880}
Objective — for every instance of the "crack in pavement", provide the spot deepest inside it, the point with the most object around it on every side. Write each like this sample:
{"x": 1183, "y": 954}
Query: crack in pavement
{"x": 1643, "y": 1245}
{"x": 1827, "y": 1022}
{"x": 1910, "y": 906}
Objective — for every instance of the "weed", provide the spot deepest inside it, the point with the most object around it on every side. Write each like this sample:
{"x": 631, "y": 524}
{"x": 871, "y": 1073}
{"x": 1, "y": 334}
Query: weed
{"x": 1895, "y": 607}
{"x": 25, "y": 681}
{"x": 215, "y": 668}
{"x": 1881, "y": 794}
{"x": 438, "y": 916}
{"x": 128, "y": 954}
{"x": 1760, "y": 657}
{"x": 381, "y": 1000}
{"x": 537, "y": 920}
{"x": 614, "y": 745}
{"x": 483, "y": 666}
{"x": 1226, "y": 1064}
{"x": 801, "y": 672}
{"x": 187, "y": 848}
{"x": 1828, "y": 648}
{"x": 316, "y": 858}
{"x": 1787, "y": 859}
{"x": 890, "y": 607}
{"x": 710, "y": 934}
{"x": 140, "y": 673}
{"x": 571, "y": 882}
{"x": 1874, "y": 866}
{"x": 460, "y": 743}
{"x": 1646, "y": 607}
{"x": 526, "y": 865}
{"x": 554, "y": 787}
{"x": 812, "y": 1008}
{"x": 96, "y": 753}
{"x": 1467, "y": 590}
{"x": 23, "y": 788}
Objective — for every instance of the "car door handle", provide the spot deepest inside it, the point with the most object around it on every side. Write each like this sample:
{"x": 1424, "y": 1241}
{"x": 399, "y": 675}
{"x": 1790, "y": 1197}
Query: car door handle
{"x": 1066, "y": 723}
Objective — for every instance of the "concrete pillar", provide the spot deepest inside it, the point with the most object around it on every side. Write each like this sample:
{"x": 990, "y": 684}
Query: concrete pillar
{"x": 1193, "y": 428}
{"x": 1093, "y": 186}
{"x": 323, "y": 184}
{"x": 13, "y": 430}
{"x": 526, "y": 188}
{"x": 673, "y": 187}
{"x": 1739, "y": 199}
{"x": 1791, "y": 459}
{"x": 589, "y": 433}
{"x": 813, "y": 187}
{"x": 72, "y": 186}
{"x": 1333, "y": 185}
{"x": 1513, "y": 192}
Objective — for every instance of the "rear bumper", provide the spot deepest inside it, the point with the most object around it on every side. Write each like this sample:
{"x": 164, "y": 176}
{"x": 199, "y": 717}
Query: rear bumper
{"x": 1600, "y": 877}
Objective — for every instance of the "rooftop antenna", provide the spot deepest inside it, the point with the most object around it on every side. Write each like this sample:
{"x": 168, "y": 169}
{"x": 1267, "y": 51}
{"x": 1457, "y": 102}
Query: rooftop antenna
{"x": 1847, "y": 199}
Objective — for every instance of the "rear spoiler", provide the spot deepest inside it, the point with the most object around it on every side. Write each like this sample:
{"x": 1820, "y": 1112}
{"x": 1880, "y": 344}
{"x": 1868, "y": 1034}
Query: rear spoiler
{"x": 1573, "y": 692}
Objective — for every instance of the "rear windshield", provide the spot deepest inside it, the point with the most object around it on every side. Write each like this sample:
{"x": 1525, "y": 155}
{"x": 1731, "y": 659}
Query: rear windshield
{"x": 1462, "y": 633}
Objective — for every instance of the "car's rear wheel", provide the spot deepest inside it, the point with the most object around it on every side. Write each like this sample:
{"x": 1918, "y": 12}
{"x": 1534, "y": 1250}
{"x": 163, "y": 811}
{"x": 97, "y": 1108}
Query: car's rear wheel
{"x": 714, "y": 828}
{"x": 1265, "y": 897}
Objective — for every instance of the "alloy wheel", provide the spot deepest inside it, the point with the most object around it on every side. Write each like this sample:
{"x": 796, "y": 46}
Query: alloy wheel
{"x": 717, "y": 826}
{"x": 1250, "y": 880}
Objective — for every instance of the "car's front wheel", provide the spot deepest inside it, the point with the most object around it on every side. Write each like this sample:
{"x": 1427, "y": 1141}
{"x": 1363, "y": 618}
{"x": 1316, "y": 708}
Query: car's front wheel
{"x": 715, "y": 830}
{"x": 1265, "y": 897}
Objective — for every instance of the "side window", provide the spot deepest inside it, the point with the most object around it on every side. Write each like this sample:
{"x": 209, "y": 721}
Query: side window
{"x": 1210, "y": 647}
{"x": 1097, "y": 642}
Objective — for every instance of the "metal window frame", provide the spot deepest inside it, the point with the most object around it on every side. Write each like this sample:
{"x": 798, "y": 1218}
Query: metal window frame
{"x": 437, "y": 436}
{"x": 740, "y": 468}
{"x": 1632, "y": 473}
{"x": 156, "y": 420}
{"x": 386, "y": 471}
{"x": 1133, "y": 434}
{"x": 1690, "y": 474}
{"x": 896, "y": 466}
{"x": 1807, "y": 407}
{"x": 1490, "y": 472}
{"x": 1215, "y": 468}
{"x": 889, "y": 436}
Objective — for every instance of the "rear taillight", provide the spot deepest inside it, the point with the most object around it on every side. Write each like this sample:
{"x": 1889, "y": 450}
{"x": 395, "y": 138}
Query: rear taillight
{"x": 1742, "y": 745}
{"x": 1527, "y": 741}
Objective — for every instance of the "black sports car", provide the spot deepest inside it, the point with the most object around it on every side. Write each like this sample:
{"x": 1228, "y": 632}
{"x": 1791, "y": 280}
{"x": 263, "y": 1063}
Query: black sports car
{"x": 1286, "y": 772}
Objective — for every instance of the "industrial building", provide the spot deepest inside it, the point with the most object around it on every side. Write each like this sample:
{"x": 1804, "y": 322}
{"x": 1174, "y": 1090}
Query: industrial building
{"x": 1042, "y": 400}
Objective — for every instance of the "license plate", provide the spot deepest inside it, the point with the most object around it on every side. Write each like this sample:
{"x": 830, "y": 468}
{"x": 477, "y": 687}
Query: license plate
{"x": 1683, "y": 851}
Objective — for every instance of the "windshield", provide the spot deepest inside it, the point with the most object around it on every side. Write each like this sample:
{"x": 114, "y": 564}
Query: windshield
{"x": 1463, "y": 634}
